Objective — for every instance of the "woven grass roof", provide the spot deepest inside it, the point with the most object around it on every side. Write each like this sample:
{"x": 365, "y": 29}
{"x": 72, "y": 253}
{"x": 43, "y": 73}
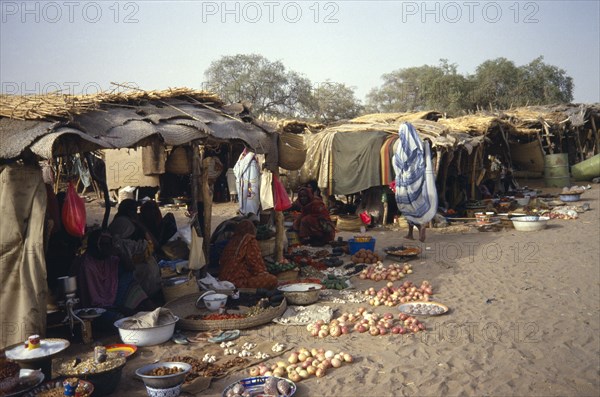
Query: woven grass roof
{"x": 56, "y": 105}
{"x": 476, "y": 124}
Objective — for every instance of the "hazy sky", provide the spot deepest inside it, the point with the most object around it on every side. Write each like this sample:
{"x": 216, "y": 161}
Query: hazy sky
{"x": 85, "y": 45}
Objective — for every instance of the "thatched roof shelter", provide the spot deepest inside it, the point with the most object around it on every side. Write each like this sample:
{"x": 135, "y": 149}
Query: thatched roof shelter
{"x": 57, "y": 124}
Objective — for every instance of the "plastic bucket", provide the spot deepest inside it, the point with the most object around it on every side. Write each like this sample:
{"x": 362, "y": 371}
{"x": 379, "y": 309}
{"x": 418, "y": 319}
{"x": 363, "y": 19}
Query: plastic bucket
{"x": 587, "y": 169}
{"x": 556, "y": 170}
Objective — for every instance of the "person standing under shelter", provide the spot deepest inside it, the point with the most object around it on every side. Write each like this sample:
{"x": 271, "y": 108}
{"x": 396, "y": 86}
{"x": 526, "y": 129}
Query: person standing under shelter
{"x": 247, "y": 175}
{"x": 415, "y": 191}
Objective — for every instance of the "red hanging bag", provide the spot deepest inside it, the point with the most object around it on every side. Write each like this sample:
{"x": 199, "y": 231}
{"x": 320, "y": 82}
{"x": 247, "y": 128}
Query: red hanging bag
{"x": 73, "y": 213}
{"x": 281, "y": 198}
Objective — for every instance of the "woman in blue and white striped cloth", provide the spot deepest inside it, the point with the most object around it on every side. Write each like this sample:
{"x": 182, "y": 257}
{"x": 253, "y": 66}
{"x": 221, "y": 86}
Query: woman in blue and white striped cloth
{"x": 415, "y": 191}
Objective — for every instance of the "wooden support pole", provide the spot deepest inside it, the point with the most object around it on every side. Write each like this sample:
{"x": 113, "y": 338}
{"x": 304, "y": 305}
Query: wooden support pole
{"x": 279, "y": 229}
{"x": 207, "y": 198}
{"x": 579, "y": 147}
{"x": 595, "y": 131}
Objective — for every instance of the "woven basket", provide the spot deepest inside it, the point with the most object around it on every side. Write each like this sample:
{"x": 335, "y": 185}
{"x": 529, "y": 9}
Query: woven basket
{"x": 186, "y": 305}
{"x": 267, "y": 247}
{"x": 288, "y": 275}
{"x": 292, "y": 152}
{"x": 172, "y": 292}
{"x": 349, "y": 223}
{"x": 179, "y": 161}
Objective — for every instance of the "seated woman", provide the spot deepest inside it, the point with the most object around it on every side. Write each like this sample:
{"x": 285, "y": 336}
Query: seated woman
{"x": 133, "y": 242}
{"x": 314, "y": 225}
{"x": 105, "y": 281}
{"x": 241, "y": 261}
{"x": 161, "y": 228}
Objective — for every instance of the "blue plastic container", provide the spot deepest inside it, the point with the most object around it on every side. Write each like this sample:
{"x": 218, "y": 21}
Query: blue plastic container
{"x": 354, "y": 247}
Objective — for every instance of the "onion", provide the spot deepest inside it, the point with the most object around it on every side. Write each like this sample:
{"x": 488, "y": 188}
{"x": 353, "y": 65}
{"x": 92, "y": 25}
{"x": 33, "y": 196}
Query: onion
{"x": 336, "y": 363}
{"x": 311, "y": 370}
{"x": 374, "y": 331}
{"x": 348, "y": 358}
{"x": 303, "y": 373}
{"x": 329, "y": 354}
{"x": 301, "y": 357}
{"x": 254, "y": 371}
{"x": 320, "y": 372}
{"x": 294, "y": 376}
{"x": 293, "y": 359}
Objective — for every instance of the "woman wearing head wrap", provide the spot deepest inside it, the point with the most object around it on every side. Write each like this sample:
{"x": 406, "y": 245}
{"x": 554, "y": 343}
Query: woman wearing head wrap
{"x": 103, "y": 279}
{"x": 133, "y": 241}
{"x": 314, "y": 224}
{"x": 241, "y": 261}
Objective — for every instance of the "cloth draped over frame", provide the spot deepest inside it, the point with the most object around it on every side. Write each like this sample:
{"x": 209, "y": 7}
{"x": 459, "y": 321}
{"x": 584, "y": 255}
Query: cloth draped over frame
{"x": 23, "y": 288}
{"x": 416, "y": 194}
{"x": 247, "y": 175}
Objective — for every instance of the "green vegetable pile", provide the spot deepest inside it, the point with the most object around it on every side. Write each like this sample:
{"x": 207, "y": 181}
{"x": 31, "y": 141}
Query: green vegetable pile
{"x": 333, "y": 282}
{"x": 277, "y": 267}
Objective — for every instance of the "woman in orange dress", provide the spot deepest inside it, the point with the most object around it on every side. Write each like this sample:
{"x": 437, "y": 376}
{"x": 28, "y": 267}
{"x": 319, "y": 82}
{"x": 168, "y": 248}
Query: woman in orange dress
{"x": 241, "y": 261}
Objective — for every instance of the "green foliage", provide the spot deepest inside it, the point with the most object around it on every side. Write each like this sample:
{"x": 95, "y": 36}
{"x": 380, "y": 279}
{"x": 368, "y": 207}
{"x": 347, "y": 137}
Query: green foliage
{"x": 333, "y": 102}
{"x": 497, "y": 83}
{"x": 274, "y": 91}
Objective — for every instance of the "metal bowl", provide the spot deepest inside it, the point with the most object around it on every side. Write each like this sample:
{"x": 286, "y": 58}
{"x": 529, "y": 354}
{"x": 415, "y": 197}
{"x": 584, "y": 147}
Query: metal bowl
{"x": 530, "y": 223}
{"x": 301, "y": 293}
{"x": 164, "y": 381}
{"x": 570, "y": 197}
{"x": 146, "y": 336}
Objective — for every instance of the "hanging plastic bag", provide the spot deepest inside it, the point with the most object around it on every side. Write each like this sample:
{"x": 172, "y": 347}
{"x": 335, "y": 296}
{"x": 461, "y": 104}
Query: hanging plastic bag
{"x": 73, "y": 213}
{"x": 282, "y": 200}
{"x": 365, "y": 218}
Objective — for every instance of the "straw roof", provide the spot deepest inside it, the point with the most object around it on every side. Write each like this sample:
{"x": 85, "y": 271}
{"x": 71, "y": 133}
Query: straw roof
{"x": 54, "y": 124}
{"x": 476, "y": 124}
{"x": 531, "y": 119}
{"x": 56, "y": 105}
{"x": 391, "y": 118}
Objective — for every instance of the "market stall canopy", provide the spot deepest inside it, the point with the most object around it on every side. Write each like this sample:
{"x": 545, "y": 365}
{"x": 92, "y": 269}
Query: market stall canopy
{"x": 57, "y": 124}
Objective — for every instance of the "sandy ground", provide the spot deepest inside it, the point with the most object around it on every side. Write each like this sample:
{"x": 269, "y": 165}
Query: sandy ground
{"x": 524, "y": 319}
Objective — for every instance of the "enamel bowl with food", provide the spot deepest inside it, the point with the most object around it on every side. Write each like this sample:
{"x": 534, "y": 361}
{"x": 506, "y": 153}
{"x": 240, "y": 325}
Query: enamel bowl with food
{"x": 164, "y": 375}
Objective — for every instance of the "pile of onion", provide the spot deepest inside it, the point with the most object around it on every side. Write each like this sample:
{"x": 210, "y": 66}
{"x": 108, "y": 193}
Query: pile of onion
{"x": 380, "y": 272}
{"x": 406, "y": 292}
{"x": 303, "y": 364}
{"x": 363, "y": 321}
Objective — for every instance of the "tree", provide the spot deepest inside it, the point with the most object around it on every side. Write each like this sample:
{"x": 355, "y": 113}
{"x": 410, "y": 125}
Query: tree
{"x": 420, "y": 88}
{"x": 544, "y": 84}
{"x": 496, "y": 84}
{"x": 272, "y": 90}
{"x": 333, "y": 102}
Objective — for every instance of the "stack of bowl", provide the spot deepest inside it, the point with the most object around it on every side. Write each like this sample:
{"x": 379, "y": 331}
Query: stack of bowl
{"x": 163, "y": 385}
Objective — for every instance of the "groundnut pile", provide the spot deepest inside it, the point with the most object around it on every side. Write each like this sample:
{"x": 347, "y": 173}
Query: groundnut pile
{"x": 365, "y": 256}
{"x": 163, "y": 371}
